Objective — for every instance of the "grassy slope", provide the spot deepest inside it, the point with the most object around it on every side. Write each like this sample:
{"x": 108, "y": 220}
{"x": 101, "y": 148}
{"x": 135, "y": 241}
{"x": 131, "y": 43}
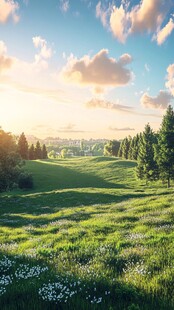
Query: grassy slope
{"x": 88, "y": 219}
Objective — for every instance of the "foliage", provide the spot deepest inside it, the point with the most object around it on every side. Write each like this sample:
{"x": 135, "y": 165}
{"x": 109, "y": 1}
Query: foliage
{"x": 111, "y": 148}
{"x": 23, "y": 146}
{"x": 44, "y": 152}
{"x": 10, "y": 161}
{"x": 52, "y": 154}
{"x": 25, "y": 180}
{"x": 98, "y": 149}
{"x": 31, "y": 152}
{"x": 164, "y": 151}
{"x": 38, "y": 151}
{"x": 63, "y": 153}
{"x": 147, "y": 167}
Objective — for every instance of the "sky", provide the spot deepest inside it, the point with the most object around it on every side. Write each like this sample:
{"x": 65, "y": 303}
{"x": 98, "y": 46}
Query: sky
{"x": 84, "y": 69}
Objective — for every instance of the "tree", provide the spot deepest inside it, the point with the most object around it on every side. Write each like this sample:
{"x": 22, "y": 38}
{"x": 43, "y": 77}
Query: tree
{"x": 31, "y": 152}
{"x": 125, "y": 148}
{"x": 120, "y": 149}
{"x": 23, "y": 146}
{"x": 164, "y": 150}
{"x": 38, "y": 151}
{"x": 135, "y": 149}
{"x": 111, "y": 148}
{"x": 10, "y": 161}
{"x": 63, "y": 153}
{"x": 147, "y": 167}
{"x": 44, "y": 152}
{"x": 98, "y": 149}
{"x": 52, "y": 154}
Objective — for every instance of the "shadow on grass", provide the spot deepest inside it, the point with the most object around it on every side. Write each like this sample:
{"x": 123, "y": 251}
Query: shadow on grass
{"x": 22, "y": 210}
{"x": 51, "y": 176}
{"x": 23, "y": 293}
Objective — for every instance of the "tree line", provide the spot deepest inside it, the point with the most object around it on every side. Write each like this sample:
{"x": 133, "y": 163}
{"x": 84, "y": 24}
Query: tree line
{"x": 12, "y": 156}
{"x": 154, "y": 152}
{"x": 31, "y": 152}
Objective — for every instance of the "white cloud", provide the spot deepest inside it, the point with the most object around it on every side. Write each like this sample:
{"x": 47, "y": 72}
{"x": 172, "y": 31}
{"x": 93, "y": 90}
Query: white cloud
{"x": 147, "y": 67}
{"x": 148, "y": 16}
{"x": 119, "y": 23}
{"x": 165, "y": 32}
{"x": 103, "y": 14}
{"x": 121, "y": 129}
{"x": 104, "y": 104}
{"x": 5, "y": 61}
{"x": 64, "y": 5}
{"x": 44, "y": 53}
{"x": 100, "y": 71}
{"x": 8, "y": 8}
{"x": 161, "y": 101}
{"x": 170, "y": 78}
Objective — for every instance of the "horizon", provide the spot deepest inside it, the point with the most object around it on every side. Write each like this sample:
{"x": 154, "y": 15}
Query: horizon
{"x": 86, "y": 70}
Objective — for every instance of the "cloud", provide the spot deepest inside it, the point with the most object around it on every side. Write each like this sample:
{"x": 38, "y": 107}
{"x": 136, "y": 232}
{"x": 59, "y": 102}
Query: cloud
{"x": 121, "y": 129}
{"x": 165, "y": 32}
{"x": 104, "y": 104}
{"x": 98, "y": 71}
{"x": 170, "y": 78}
{"x": 147, "y": 67}
{"x": 64, "y": 5}
{"x": 8, "y": 8}
{"x": 161, "y": 101}
{"x": 119, "y": 23}
{"x": 146, "y": 17}
{"x": 5, "y": 61}
{"x": 70, "y": 128}
{"x": 102, "y": 14}
{"x": 45, "y": 51}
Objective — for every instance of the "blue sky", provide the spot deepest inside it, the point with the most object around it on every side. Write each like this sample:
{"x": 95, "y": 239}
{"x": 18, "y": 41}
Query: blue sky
{"x": 85, "y": 69}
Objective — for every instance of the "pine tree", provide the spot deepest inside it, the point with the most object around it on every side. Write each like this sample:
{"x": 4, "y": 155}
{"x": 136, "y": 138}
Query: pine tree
{"x": 147, "y": 166}
{"x": 131, "y": 146}
{"x": 23, "y": 146}
{"x": 164, "y": 151}
{"x": 120, "y": 149}
{"x": 44, "y": 152}
{"x": 135, "y": 149}
{"x": 38, "y": 151}
{"x": 31, "y": 152}
{"x": 125, "y": 148}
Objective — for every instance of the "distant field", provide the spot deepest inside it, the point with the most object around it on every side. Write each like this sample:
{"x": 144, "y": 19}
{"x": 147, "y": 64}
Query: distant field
{"x": 88, "y": 236}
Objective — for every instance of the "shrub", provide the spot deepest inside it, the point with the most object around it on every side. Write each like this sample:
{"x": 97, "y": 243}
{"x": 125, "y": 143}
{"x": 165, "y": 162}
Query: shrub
{"x": 25, "y": 180}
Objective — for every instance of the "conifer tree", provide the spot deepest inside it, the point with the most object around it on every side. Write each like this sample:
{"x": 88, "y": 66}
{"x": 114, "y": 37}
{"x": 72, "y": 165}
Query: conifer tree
{"x": 131, "y": 146}
{"x": 44, "y": 152}
{"x": 147, "y": 167}
{"x": 164, "y": 151}
{"x": 120, "y": 149}
{"x": 38, "y": 151}
{"x": 135, "y": 149}
{"x": 23, "y": 146}
{"x": 31, "y": 152}
{"x": 125, "y": 148}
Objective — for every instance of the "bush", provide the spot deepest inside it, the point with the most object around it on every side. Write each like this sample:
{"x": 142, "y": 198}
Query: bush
{"x": 25, "y": 180}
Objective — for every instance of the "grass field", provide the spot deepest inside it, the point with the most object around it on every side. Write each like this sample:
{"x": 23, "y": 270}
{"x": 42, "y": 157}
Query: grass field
{"x": 88, "y": 236}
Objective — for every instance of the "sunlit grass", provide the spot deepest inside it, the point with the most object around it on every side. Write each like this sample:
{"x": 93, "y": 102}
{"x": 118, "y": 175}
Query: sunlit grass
{"x": 89, "y": 236}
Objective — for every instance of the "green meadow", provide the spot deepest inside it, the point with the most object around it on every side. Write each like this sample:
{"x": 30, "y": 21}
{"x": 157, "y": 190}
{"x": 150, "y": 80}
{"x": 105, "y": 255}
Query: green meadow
{"x": 88, "y": 236}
